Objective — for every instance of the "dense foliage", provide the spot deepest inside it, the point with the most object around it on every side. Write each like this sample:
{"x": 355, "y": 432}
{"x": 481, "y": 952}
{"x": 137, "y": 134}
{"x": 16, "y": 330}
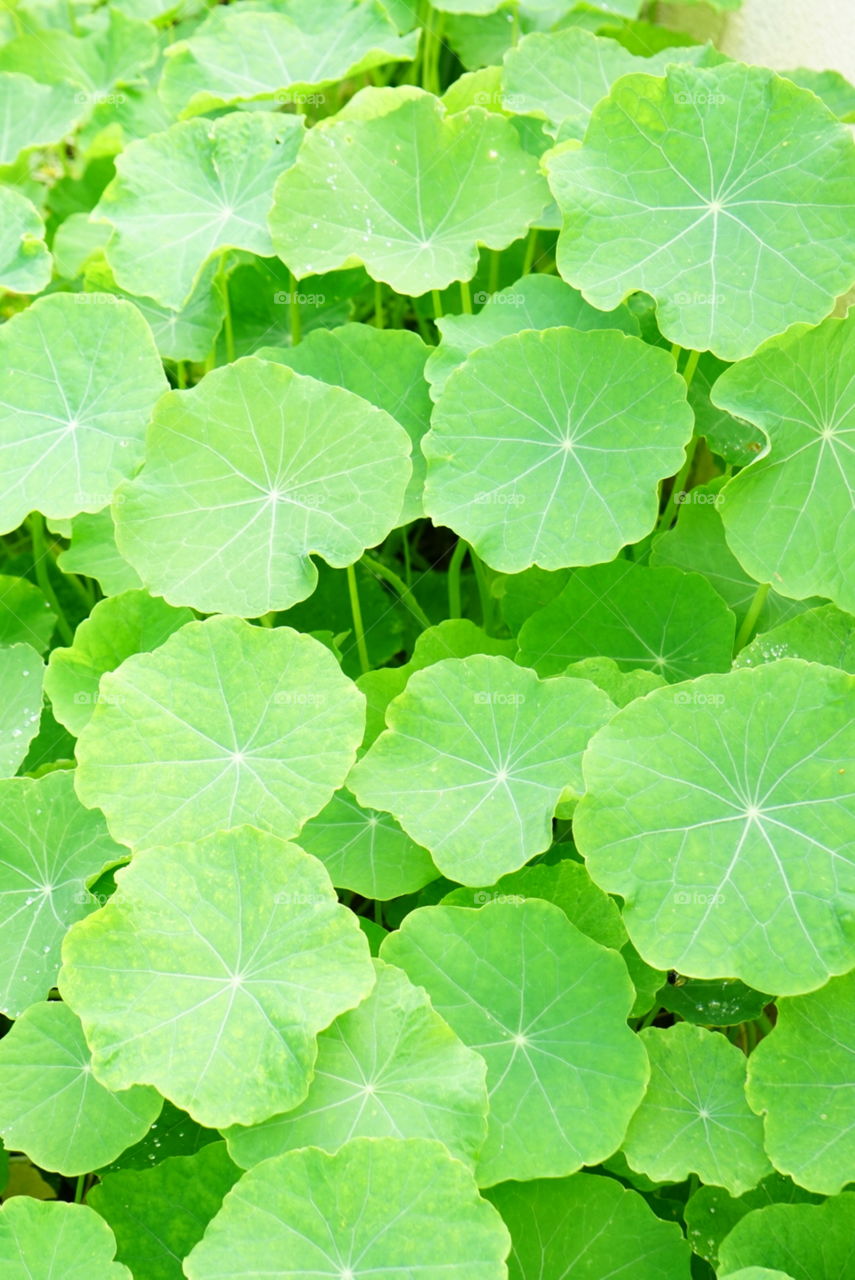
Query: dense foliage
{"x": 426, "y": 646}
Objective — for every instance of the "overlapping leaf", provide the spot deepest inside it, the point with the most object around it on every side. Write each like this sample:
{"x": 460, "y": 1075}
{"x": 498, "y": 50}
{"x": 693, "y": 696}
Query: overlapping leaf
{"x": 813, "y": 1242}
{"x": 21, "y": 675}
{"x": 51, "y": 1240}
{"x": 34, "y": 114}
{"x": 25, "y": 263}
{"x": 826, "y": 635}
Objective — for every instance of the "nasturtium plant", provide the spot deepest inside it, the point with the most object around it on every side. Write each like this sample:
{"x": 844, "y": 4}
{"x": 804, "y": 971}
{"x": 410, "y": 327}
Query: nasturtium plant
{"x": 427, "y": 643}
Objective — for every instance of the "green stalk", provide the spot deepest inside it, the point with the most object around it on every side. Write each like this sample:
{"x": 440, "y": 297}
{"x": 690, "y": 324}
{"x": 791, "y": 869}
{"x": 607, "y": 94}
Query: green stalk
{"x": 79, "y": 1188}
{"x": 294, "y": 310}
{"x": 484, "y": 594}
{"x": 397, "y": 584}
{"x": 676, "y": 351}
{"x": 228, "y": 328}
{"x": 40, "y": 558}
{"x": 749, "y": 622}
{"x": 356, "y": 612}
{"x": 181, "y": 374}
{"x": 378, "y": 305}
{"x": 495, "y": 267}
{"x": 465, "y": 297}
{"x": 691, "y": 366}
{"x": 678, "y": 486}
{"x": 437, "y": 304}
{"x": 454, "y": 567}
{"x": 530, "y": 251}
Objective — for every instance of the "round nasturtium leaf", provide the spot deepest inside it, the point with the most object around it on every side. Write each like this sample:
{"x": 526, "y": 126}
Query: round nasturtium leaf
{"x": 808, "y": 1241}
{"x": 225, "y": 723}
{"x": 133, "y": 622}
{"x": 25, "y": 263}
{"x": 548, "y": 447}
{"x": 757, "y": 1273}
{"x": 54, "y": 1240}
{"x": 183, "y": 195}
{"x": 379, "y": 1206}
{"x": 211, "y": 972}
{"x": 694, "y": 1117}
{"x": 243, "y": 55}
{"x": 476, "y": 756}
{"x": 721, "y": 811}
{"x": 713, "y": 1002}
{"x": 407, "y": 190}
{"x": 736, "y": 232}
{"x": 826, "y": 635}
{"x": 248, "y": 474}
{"x": 621, "y": 686}
{"x": 77, "y": 385}
{"x": 589, "y": 1223}
{"x": 391, "y": 1068}
{"x": 800, "y": 1078}
{"x": 93, "y": 552}
{"x": 385, "y": 367}
{"x": 711, "y": 1214}
{"x": 792, "y": 388}
{"x": 641, "y": 617}
{"x": 21, "y": 675}
{"x": 33, "y": 114}
{"x": 546, "y": 1007}
{"x": 158, "y": 1214}
{"x": 51, "y": 1106}
{"x": 51, "y": 849}
{"x": 119, "y": 51}
{"x": 25, "y": 615}
{"x": 534, "y": 302}
{"x": 365, "y": 850}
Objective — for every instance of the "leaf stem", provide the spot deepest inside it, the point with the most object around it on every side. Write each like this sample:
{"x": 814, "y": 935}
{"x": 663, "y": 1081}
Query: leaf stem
{"x": 407, "y": 598}
{"x": 691, "y": 366}
{"x": 484, "y": 594}
{"x": 466, "y": 297}
{"x": 180, "y": 374}
{"x": 437, "y": 304}
{"x": 294, "y": 310}
{"x": 530, "y": 250}
{"x": 454, "y": 566}
{"x": 379, "y": 320}
{"x": 228, "y": 327}
{"x": 495, "y": 267}
{"x": 79, "y": 1188}
{"x": 356, "y": 613}
{"x": 678, "y": 487}
{"x": 40, "y": 558}
{"x": 749, "y": 622}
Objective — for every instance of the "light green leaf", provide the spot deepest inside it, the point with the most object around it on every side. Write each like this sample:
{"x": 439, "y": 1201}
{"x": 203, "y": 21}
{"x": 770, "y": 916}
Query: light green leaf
{"x": 76, "y": 241}
{"x": 182, "y": 196}
{"x": 51, "y": 849}
{"x": 248, "y": 474}
{"x": 801, "y": 1079}
{"x": 736, "y": 232}
{"x": 34, "y": 115}
{"x": 622, "y": 687}
{"x": 384, "y": 366}
{"x": 285, "y": 52}
{"x": 25, "y": 615}
{"x": 21, "y": 675}
{"x": 546, "y": 1007}
{"x": 830, "y": 86}
{"x": 182, "y": 743}
{"x": 25, "y": 263}
{"x": 117, "y": 627}
{"x": 638, "y": 616}
{"x": 719, "y": 811}
{"x": 694, "y": 1117}
{"x": 547, "y": 448}
{"x": 381, "y": 1205}
{"x": 93, "y": 552}
{"x": 711, "y": 1214}
{"x": 476, "y": 756}
{"x": 411, "y": 193}
{"x": 587, "y": 1222}
{"x": 794, "y": 391}
{"x": 223, "y": 1020}
{"x": 51, "y": 1106}
{"x": 365, "y": 850}
{"x": 820, "y": 635}
{"x": 76, "y": 390}
{"x": 118, "y": 53}
{"x": 158, "y": 1214}
{"x": 52, "y": 1240}
{"x": 534, "y": 302}
{"x": 758, "y": 1273}
{"x": 391, "y": 1068}
{"x": 813, "y": 1242}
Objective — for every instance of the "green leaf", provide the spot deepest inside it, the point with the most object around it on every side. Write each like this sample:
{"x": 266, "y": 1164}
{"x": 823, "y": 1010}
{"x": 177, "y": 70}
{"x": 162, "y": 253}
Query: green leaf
{"x": 407, "y": 190}
{"x": 21, "y": 675}
{"x": 758, "y": 1273}
{"x": 212, "y": 179}
{"x": 25, "y": 615}
{"x": 182, "y": 743}
{"x": 719, "y": 812}
{"x": 173, "y": 1133}
{"x": 365, "y": 850}
{"x": 159, "y": 1214}
{"x": 534, "y": 302}
{"x": 813, "y": 1242}
{"x": 694, "y": 1117}
{"x": 77, "y": 386}
{"x": 244, "y": 54}
{"x": 793, "y": 390}
{"x": 52, "y": 1107}
{"x": 622, "y": 687}
{"x": 117, "y": 627}
{"x": 830, "y": 86}
{"x": 51, "y": 849}
{"x": 713, "y": 1002}
{"x": 391, "y": 1068}
{"x": 34, "y": 115}
{"x": 547, "y": 448}
{"x": 736, "y": 231}
{"x": 546, "y": 1007}
{"x": 476, "y": 756}
{"x": 820, "y": 635}
{"x": 223, "y": 1020}
{"x": 76, "y": 241}
{"x": 249, "y": 473}
{"x": 384, "y": 366}
{"x": 711, "y": 1214}
{"x": 25, "y": 263}
{"x": 51, "y": 1240}
{"x": 641, "y": 617}
{"x": 118, "y": 53}
{"x": 731, "y": 438}
{"x": 381, "y": 1205}
{"x": 800, "y": 1079}
{"x": 93, "y": 552}
{"x": 587, "y": 1222}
